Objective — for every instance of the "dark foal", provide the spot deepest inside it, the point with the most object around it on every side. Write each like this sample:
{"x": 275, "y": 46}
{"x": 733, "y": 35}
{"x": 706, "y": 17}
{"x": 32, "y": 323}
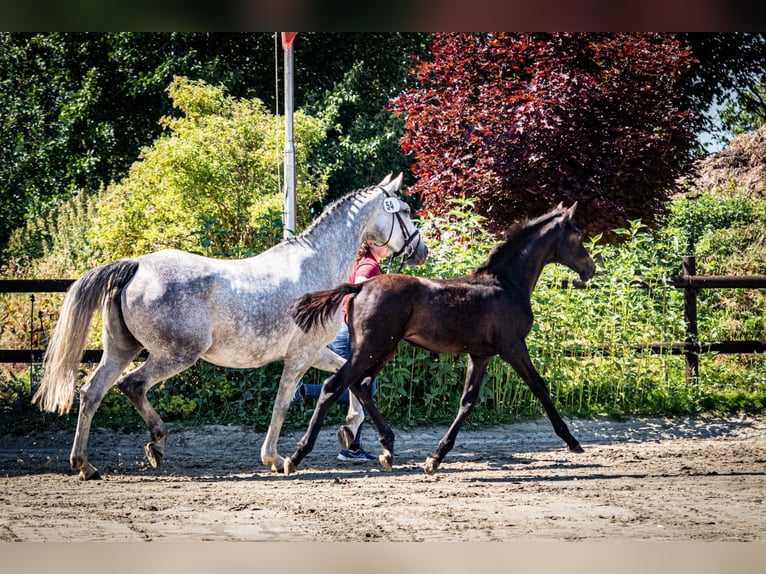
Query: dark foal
{"x": 483, "y": 314}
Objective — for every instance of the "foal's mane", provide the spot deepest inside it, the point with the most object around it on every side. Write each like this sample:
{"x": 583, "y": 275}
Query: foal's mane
{"x": 516, "y": 238}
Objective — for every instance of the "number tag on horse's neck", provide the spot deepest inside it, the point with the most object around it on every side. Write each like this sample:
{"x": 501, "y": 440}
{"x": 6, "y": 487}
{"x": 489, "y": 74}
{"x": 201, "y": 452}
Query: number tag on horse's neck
{"x": 391, "y": 205}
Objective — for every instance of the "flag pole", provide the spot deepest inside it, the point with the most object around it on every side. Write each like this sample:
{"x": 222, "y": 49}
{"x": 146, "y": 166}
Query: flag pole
{"x": 288, "y": 222}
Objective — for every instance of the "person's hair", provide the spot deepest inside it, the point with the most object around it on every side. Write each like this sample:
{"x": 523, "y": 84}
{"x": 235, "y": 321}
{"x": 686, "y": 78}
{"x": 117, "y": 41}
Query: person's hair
{"x": 364, "y": 250}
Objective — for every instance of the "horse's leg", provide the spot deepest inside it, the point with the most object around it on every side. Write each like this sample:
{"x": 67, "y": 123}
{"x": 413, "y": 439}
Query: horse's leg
{"x": 332, "y": 389}
{"x": 354, "y": 419}
{"x": 332, "y": 362}
{"x": 385, "y": 435}
{"x": 120, "y": 348}
{"x": 519, "y": 359}
{"x": 477, "y": 366}
{"x": 137, "y": 383}
{"x": 91, "y": 394}
{"x": 293, "y": 370}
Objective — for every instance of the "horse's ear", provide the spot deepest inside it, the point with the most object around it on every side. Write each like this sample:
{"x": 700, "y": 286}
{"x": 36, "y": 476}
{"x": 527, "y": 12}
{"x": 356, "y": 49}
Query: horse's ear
{"x": 385, "y": 180}
{"x": 560, "y": 206}
{"x": 571, "y": 210}
{"x": 393, "y": 186}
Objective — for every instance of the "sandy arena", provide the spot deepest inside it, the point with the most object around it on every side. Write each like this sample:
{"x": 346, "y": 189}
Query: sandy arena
{"x": 685, "y": 479}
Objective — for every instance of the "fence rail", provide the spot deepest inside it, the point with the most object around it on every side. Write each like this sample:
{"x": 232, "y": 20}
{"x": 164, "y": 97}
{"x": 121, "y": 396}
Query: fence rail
{"x": 690, "y": 282}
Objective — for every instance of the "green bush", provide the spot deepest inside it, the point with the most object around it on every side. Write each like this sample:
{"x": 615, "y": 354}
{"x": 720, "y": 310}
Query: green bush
{"x": 210, "y": 183}
{"x": 583, "y": 341}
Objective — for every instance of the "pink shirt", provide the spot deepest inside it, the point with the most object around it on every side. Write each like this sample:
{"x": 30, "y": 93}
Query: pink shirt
{"x": 365, "y": 268}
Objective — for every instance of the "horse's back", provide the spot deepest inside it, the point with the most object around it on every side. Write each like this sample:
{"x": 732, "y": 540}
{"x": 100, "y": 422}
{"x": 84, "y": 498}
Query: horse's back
{"x": 443, "y": 315}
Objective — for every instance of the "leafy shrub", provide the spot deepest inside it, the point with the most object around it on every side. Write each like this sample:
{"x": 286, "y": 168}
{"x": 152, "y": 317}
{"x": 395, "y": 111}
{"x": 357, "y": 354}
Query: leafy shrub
{"x": 583, "y": 341}
{"x": 207, "y": 185}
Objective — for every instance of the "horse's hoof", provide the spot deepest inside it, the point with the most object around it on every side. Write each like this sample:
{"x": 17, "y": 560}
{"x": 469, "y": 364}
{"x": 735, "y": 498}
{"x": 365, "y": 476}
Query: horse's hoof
{"x": 431, "y": 465}
{"x": 289, "y": 466}
{"x": 154, "y": 453}
{"x": 90, "y": 473}
{"x": 345, "y": 437}
{"x": 278, "y": 464}
{"x": 386, "y": 461}
{"x": 576, "y": 448}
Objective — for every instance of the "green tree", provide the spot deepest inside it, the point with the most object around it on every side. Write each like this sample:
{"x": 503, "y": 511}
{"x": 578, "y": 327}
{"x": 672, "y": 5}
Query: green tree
{"x": 77, "y": 108}
{"x": 729, "y": 75}
{"x": 348, "y": 79}
{"x": 210, "y": 184}
{"x": 743, "y": 115}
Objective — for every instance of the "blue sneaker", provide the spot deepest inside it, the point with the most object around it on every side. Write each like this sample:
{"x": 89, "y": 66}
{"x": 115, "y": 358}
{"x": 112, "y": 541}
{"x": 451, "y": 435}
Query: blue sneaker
{"x": 357, "y": 456}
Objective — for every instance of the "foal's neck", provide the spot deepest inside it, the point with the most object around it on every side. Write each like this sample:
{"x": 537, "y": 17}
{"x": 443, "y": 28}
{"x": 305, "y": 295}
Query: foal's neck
{"x": 525, "y": 269}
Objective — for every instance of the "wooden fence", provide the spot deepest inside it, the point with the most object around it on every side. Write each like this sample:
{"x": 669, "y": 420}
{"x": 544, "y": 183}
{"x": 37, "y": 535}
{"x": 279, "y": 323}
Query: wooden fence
{"x": 689, "y": 281}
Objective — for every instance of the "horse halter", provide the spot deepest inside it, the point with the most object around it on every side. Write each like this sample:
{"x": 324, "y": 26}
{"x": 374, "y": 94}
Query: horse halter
{"x": 408, "y": 249}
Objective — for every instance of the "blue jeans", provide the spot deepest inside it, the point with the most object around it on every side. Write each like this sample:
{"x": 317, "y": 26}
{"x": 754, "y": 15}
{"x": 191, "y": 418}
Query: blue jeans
{"x": 340, "y": 345}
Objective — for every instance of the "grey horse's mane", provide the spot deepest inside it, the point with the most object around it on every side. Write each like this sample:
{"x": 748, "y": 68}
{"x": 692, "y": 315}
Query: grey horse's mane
{"x": 330, "y": 209}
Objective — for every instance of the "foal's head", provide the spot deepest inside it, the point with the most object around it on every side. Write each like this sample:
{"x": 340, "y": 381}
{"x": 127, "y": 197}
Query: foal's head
{"x": 568, "y": 249}
{"x": 550, "y": 238}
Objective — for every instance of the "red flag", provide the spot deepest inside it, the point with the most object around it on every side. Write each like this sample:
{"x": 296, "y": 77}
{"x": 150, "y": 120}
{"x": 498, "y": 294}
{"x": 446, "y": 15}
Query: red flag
{"x": 287, "y": 40}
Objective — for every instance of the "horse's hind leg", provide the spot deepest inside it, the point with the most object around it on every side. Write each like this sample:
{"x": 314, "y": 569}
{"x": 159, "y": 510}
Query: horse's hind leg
{"x": 477, "y": 366}
{"x": 520, "y": 361}
{"x": 91, "y": 395}
{"x": 329, "y": 360}
{"x": 137, "y": 383}
{"x": 385, "y": 435}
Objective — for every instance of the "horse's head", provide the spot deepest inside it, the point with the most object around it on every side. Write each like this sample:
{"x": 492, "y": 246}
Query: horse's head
{"x": 569, "y": 249}
{"x": 393, "y": 226}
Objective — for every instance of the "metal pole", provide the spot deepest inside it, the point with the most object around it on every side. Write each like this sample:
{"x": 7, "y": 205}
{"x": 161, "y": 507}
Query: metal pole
{"x": 689, "y": 267}
{"x": 289, "y": 155}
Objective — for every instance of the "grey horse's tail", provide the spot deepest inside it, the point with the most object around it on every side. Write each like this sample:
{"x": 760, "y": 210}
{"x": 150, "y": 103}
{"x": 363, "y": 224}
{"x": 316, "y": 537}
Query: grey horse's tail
{"x": 317, "y": 307}
{"x": 68, "y": 339}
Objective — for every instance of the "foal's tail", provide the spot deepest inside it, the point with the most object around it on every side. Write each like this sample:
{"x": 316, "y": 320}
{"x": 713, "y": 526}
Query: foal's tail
{"x": 317, "y": 307}
{"x": 68, "y": 339}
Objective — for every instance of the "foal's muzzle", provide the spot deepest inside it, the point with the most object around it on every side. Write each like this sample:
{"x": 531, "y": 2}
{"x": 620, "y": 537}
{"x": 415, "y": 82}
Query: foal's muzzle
{"x": 588, "y": 271}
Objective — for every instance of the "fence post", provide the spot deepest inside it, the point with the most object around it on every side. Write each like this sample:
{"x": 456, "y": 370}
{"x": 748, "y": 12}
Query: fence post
{"x": 689, "y": 268}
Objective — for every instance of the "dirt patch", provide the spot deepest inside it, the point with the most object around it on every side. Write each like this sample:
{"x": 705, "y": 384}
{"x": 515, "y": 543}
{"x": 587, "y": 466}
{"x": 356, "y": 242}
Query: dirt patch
{"x": 742, "y": 163}
{"x": 643, "y": 479}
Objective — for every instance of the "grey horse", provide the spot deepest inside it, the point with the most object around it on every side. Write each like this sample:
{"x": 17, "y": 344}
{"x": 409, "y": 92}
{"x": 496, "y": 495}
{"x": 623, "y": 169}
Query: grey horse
{"x": 182, "y": 307}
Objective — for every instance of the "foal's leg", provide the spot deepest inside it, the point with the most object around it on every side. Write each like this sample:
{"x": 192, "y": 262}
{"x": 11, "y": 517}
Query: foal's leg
{"x": 385, "y": 435}
{"x": 137, "y": 383}
{"x": 332, "y": 389}
{"x": 522, "y": 364}
{"x": 330, "y": 361}
{"x": 477, "y": 366}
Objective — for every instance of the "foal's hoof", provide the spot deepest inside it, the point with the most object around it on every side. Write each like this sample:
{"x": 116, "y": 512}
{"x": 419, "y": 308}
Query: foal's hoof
{"x": 289, "y": 467}
{"x": 386, "y": 461}
{"x": 345, "y": 437}
{"x": 154, "y": 453}
{"x": 576, "y": 448}
{"x": 431, "y": 465}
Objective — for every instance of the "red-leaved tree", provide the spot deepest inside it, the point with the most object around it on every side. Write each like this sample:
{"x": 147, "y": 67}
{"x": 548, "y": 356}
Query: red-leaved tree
{"x": 524, "y": 121}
